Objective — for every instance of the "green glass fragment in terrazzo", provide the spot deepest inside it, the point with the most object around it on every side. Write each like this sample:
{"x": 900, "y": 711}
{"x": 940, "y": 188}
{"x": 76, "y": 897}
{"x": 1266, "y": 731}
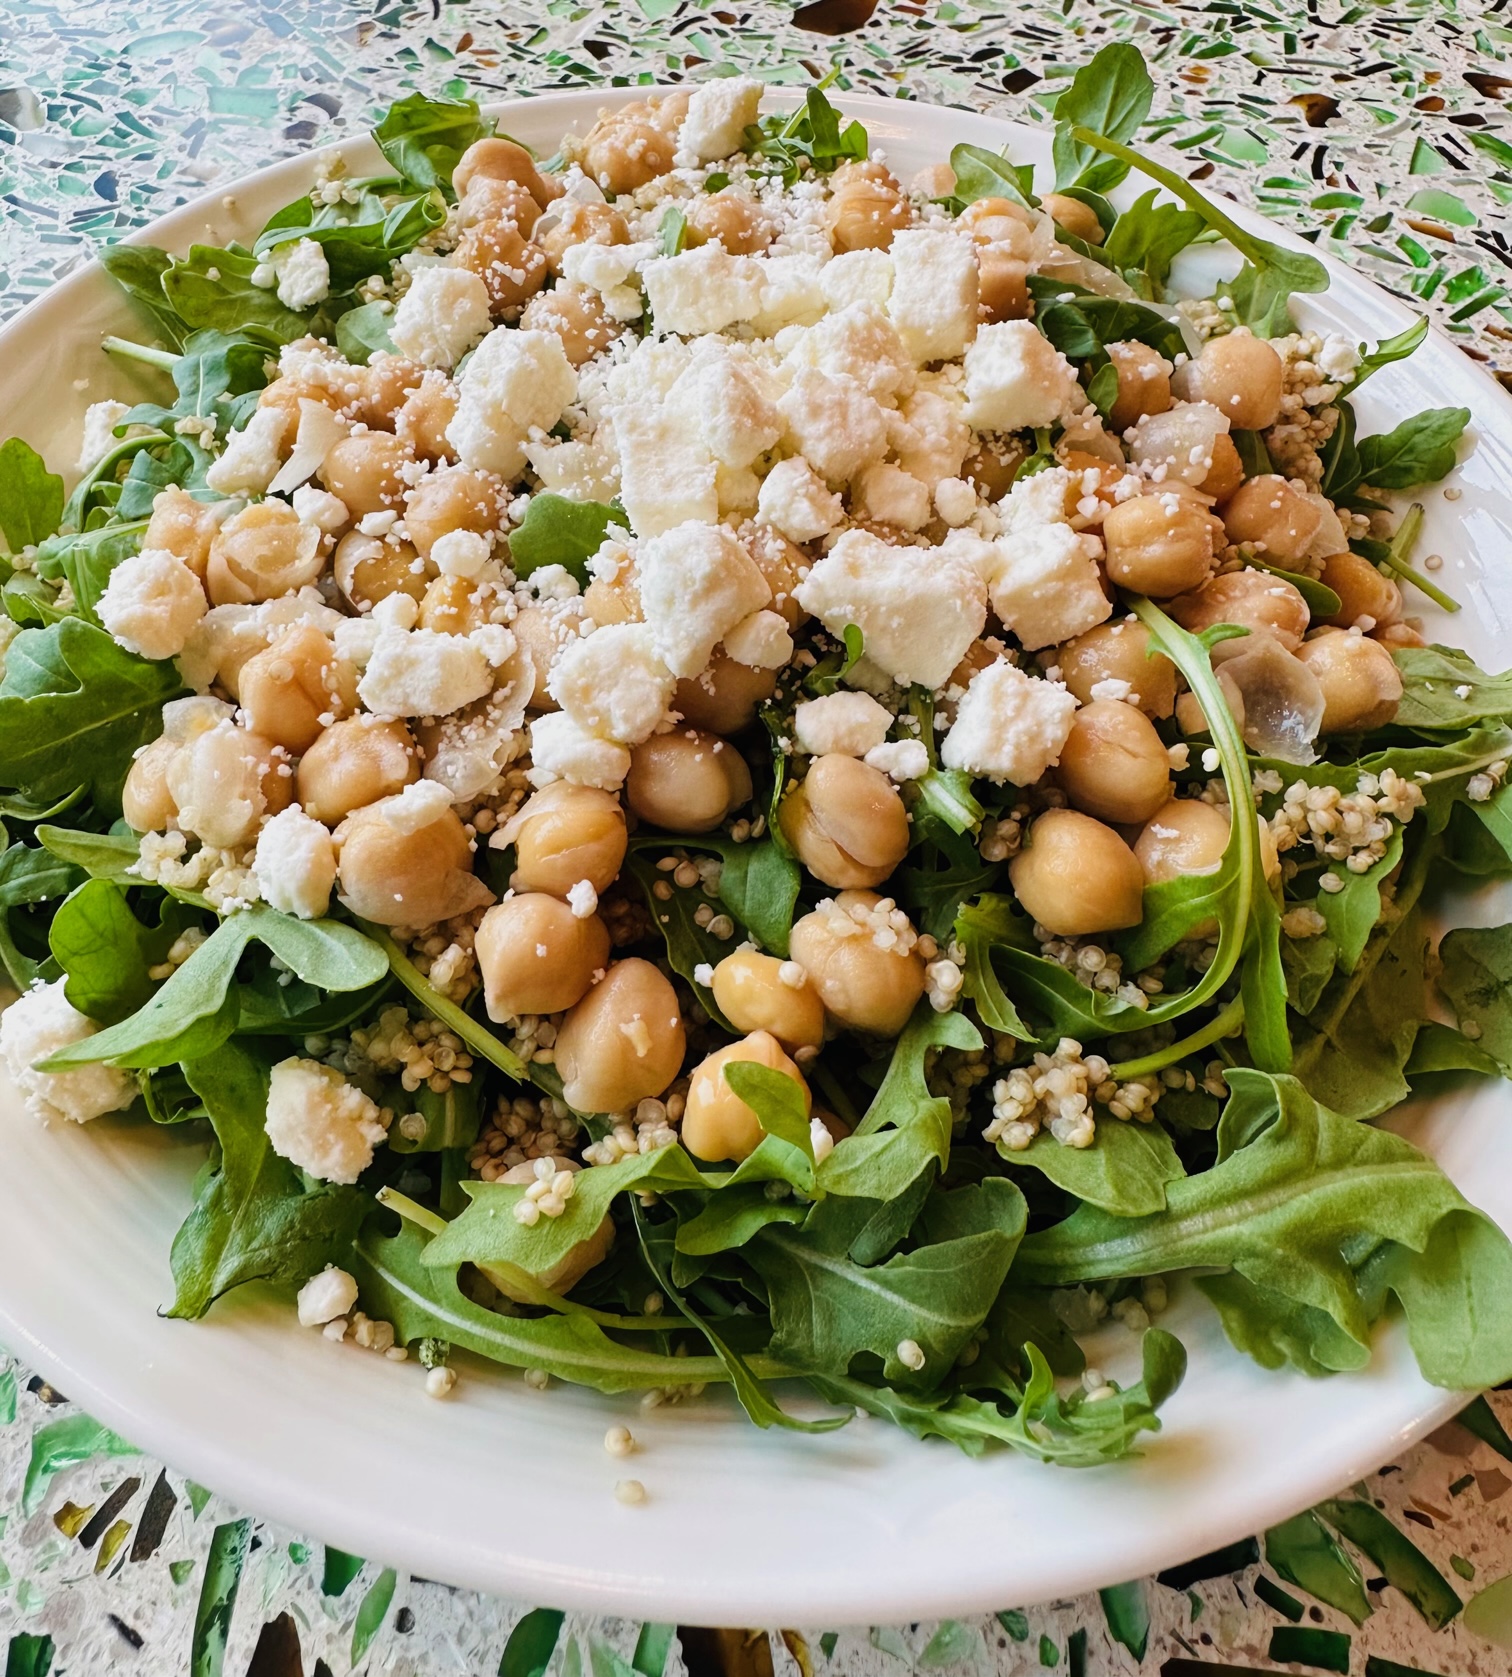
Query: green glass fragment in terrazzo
{"x": 1489, "y": 1613}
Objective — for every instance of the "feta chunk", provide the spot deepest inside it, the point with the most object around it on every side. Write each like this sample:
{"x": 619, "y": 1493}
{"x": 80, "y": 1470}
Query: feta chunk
{"x": 609, "y": 270}
{"x": 461, "y": 553}
{"x": 517, "y": 381}
{"x": 1017, "y": 379}
{"x": 582, "y": 471}
{"x": 418, "y": 672}
{"x": 320, "y": 509}
{"x": 791, "y": 292}
{"x": 320, "y": 1122}
{"x": 860, "y": 342}
{"x": 1045, "y": 583}
{"x": 252, "y": 455}
{"x": 40, "y": 1022}
{"x": 561, "y": 750}
{"x": 889, "y": 495}
{"x": 295, "y": 864}
{"x": 100, "y": 421}
{"x": 917, "y": 608}
{"x": 834, "y": 424}
{"x": 848, "y": 723}
{"x": 760, "y": 641}
{"x": 326, "y": 1296}
{"x": 930, "y": 436}
{"x": 719, "y": 113}
{"x": 724, "y": 398}
{"x": 696, "y": 583}
{"x": 900, "y": 759}
{"x": 1177, "y": 445}
{"x": 703, "y": 290}
{"x": 152, "y": 603}
{"x": 955, "y": 500}
{"x": 467, "y": 751}
{"x": 934, "y": 292}
{"x": 1009, "y": 726}
{"x": 442, "y": 315}
{"x": 666, "y": 472}
{"x": 794, "y": 500}
{"x": 613, "y": 684}
{"x": 304, "y": 275}
{"x": 858, "y": 276}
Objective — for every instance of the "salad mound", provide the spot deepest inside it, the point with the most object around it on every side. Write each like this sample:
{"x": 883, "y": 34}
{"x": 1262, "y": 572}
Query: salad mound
{"x": 704, "y": 766}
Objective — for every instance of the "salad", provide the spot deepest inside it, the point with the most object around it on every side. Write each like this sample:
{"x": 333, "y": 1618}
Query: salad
{"x": 704, "y": 766}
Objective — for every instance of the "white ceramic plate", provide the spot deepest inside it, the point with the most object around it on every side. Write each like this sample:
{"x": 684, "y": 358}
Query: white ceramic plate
{"x": 509, "y": 1489}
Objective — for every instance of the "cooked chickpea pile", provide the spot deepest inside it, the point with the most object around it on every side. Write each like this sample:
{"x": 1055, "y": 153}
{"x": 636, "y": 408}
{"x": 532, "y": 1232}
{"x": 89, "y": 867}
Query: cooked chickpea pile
{"x": 813, "y": 415}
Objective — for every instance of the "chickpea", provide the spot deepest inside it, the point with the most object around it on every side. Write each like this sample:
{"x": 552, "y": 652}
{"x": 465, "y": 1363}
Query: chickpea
{"x": 1361, "y": 685}
{"x": 383, "y": 387}
{"x": 1184, "y": 836}
{"x": 866, "y": 207}
{"x": 980, "y": 217}
{"x": 456, "y": 605}
{"x": 1075, "y": 876}
{"x": 1241, "y": 375}
{"x": 183, "y": 526}
{"x": 498, "y": 159}
{"x": 288, "y": 688}
{"x": 1225, "y": 471}
{"x": 1113, "y": 764}
{"x": 494, "y": 200}
{"x": 1160, "y": 544}
{"x": 1192, "y": 719}
{"x": 846, "y": 822}
{"x": 783, "y": 564}
{"x": 364, "y": 472}
{"x": 686, "y": 781}
{"x": 450, "y": 498}
{"x": 991, "y": 469}
{"x": 225, "y": 780}
{"x": 1078, "y": 219}
{"x": 574, "y": 1264}
{"x": 537, "y": 956}
{"x": 613, "y": 602}
{"x": 1254, "y": 600}
{"x": 863, "y": 985}
{"x": 541, "y": 631}
{"x": 1119, "y": 652}
{"x": 1002, "y": 284}
{"x": 424, "y": 415}
{"x": 396, "y": 875}
{"x": 725, "y": 698}
{"x": 623, "y": 1043}
{"x": 574, "y": 223}
{"x": 934, "y": 180}
{"x": 731, "y": 219}
{"x": 285, "y": 394}
{"x": 511, "y": 268}
{"x": 623, "y": 152}
{"x": 754, "y": 995}
{"x": 146, "y": 801}
{"x": 1271, "y": 517}
{"x": 355, "y": 763}
{"x": 564, "y": 834}
{"x": 368, "y": 569}
{"x": 259, "y": 553}
{"x": 669, "y": 110}
{"x": 717, "y": 1124}
{"x": 1144, "y": 383}
{"x": 1363, "y": 593}
{"x": 576, "y": 313}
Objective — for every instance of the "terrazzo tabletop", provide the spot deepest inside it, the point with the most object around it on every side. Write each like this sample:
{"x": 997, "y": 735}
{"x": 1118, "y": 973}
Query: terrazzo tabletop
{"x": 1379, "y": 131}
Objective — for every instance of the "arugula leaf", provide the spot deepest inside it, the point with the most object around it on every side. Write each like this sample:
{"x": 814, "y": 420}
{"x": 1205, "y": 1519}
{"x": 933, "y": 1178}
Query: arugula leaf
{"x": 557, "y": 531}
{"x": 74, "y": 706}
{"x": 1277, "y": 1331}
{"x": 1081, "y": 326}
{"x": 759, "y": 885}
{"x": 1475, "y": 978}
{"x": 1419, "y": 450}
{"x": 1440, "y": 1048}
{"x": 810, "y": 135}
{"x": 423, "y": 139}
{"x": 1396, "y": 348}
{"x": 357, "y": 240}
{"x": 1110, "y": 96}
{"x": 253, "y": 1218}
{"x": 213, "y": 367}
{"x": 672, "y": 231}
{"x": 213, "y": 288}
{"x": 1443, "y": 688}
{"x": 984, "y": 174}
{"x": 1295, "y": 1184}
{"x": 100, "y": 855}
{"x": 731, "y": 1217}
{"x": 1148, "y": 236}
{"x": 363, "y": 332}
{"x": 1125, "y": 1170}
{"x": 139, "y": 270}
{"x": 88, "y": 559}
{"x": 106, "y": 952}
{"x": 31, "y": 497}
{"x": 450, "y": 1120}
{"x": 689, "y": 945}
{"x": 27, "y": 877}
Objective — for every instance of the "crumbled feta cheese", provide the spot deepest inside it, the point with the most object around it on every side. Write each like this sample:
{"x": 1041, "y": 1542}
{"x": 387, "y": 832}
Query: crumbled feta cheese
{"x": 719, "y": 113}
{"x": 929, "y": 433}
{"x": 858, "y": 276}
{"x": 1338, "y": 358}
{"x": 1017, "y": 379}
{"x": 850, "y": 724}
{"x": 703, "y": 290}
{"x": 561, "y": 750}
{"x": 724, "y": 399}
{"x": 900, "y": 759}
{"x": 326, "y": 1296}
{"x": 295, "y": 864}
{"x": 833, "y": 424}
{"x": 517, "y": 381}
{"x": 761, "y": 641}
{"x": 320, "y": 1122}
{"x": 860, "y": 342}
{"x": 355, "y": 639}
{"x": 609, "y": 270}
{"x": 582, "y": 899}
{"x": 917, "y": 608}
{"x": 553, "y": 582}
{"x": 1113, "y": 687}
{"x": 320, "y": 428}
{"x": 422, "y": 673}
{"x": 40, "y": 1022}
{"x": 613, "y": 684}
{"x": 934, "y": 292}
{"x": 791, "y": 293}
{"x": 442, "y": 315}
{"x": 696, "y": 583}
{"x": 738, "y": 489}
{"x": 461, "y": 553}
{"x": 795, "y": 501}
{"x": 303, "y": 274}
{"x": 889, "y": 495}
{"x": 1045, "y": 583}
{"x": 955, "y": 500}
{"x": 320, "y": 509}
{"x": 252, "y": 455}
{"x": 1009, "y": 726}
{"x": 100, "y": 421}
{"x": 666, "y": 472}
{"x": 467, "y": 751}
{"x": 152, "y": 603}
{"x": 582, "y": 471}
{"x": 1177, "y": 444}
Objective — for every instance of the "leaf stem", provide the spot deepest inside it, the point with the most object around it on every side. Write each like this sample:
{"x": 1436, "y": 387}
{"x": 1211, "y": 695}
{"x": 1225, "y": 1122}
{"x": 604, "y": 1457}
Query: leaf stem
{"x": 129, "y": 351}
{"x": 471, "y": 1032}
{"x": 1222, "y": 1024}
{"x": 1402, "y": 543}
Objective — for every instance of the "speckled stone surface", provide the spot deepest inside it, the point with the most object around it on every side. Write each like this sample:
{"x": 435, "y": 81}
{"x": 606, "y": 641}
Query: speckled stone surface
{"x": 1376, "y": 129}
